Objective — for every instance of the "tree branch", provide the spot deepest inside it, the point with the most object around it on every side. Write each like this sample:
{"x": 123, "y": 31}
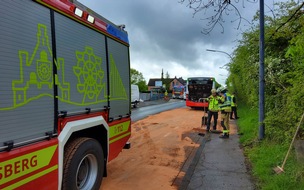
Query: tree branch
{"x": 221, "y": 9}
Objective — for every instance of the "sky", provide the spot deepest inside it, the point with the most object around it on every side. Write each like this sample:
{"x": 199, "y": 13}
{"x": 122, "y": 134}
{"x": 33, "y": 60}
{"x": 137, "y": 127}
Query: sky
{"x": 164, "y": 35}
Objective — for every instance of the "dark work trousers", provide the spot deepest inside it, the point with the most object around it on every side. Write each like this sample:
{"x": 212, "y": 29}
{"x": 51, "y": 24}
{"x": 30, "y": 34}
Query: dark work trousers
{"x": 215, "y": 116}
{"x": 233, "y": 112}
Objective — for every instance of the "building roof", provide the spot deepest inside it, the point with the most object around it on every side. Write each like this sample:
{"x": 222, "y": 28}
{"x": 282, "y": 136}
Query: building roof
{"x": 165, "y": 80}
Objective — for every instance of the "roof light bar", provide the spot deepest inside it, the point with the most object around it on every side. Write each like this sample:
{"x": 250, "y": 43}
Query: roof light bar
{"x": 90, "y": 19}
{"x": 78, "y": 12}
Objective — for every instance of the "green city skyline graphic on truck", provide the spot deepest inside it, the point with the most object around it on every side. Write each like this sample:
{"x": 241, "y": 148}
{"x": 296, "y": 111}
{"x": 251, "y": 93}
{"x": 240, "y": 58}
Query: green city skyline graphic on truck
{"x": 36, "y": 72}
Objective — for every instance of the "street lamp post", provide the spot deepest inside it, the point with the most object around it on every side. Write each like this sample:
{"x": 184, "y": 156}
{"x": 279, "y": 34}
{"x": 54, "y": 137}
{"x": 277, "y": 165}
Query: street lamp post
{"x": 262, "y": 74}
{"x": 261, "y": 71}
{"x": 213, "y": 50}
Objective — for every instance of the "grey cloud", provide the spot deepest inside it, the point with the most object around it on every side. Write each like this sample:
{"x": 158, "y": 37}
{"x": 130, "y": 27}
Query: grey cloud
{"x": 163, "y": 31}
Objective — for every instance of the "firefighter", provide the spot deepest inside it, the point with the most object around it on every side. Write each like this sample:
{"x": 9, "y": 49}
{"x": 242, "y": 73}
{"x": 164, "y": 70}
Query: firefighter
{"x": 213, "y": 109}
{"x": 233, "y": 107}
{"x": 225, "y": 109}
{"x": 166, "y": 95}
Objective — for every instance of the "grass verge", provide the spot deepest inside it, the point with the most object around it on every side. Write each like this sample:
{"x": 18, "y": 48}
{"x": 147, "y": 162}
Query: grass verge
{"x": 266, "y": 154}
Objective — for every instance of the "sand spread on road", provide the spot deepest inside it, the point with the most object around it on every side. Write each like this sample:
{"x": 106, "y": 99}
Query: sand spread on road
{"x": 160, "y": 144}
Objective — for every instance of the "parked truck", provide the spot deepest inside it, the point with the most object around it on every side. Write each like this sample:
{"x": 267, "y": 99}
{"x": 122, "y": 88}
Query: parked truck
{"x": 64, "y": 95}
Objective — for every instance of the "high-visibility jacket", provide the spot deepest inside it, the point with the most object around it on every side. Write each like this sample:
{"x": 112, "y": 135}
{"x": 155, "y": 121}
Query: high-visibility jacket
{"x": 213, "y": 103}
{"x": 226, "y": 106}
{"x": 232, "y": 101}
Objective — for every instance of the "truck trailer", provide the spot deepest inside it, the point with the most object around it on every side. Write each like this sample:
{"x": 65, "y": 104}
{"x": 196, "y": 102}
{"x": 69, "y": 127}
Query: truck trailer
{"x": 64, "y": 95}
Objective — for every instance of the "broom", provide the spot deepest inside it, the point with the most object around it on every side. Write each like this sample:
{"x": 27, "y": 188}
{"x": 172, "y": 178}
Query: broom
{"x": 280, "y": 169}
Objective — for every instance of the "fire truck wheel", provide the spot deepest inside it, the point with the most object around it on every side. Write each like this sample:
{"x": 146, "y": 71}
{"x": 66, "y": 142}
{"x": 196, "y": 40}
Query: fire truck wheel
{"x": 83, "y": 165}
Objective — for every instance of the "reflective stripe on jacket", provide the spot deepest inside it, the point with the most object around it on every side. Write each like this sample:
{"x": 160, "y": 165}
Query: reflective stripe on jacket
{"x": 213, "y": 103}
{"x": 226, "y": 106}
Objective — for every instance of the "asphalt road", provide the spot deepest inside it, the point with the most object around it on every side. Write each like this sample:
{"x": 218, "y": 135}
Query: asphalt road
{"x": 154, "y": 107}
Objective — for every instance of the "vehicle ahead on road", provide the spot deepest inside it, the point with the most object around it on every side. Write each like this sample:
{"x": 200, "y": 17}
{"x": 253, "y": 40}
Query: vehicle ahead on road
{"x": 178, "y": 92}
{"x": 134, "y": 95}
{"x": 185, "y": 93}
{"x": 199, "y": 88}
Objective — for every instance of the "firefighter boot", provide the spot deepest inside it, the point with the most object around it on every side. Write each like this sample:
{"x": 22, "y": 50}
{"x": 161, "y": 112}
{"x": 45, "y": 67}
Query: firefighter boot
{"x": 224, "y": 136}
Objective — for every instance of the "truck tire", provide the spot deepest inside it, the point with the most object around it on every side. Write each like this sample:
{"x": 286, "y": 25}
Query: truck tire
{"x": 83, "y": 165}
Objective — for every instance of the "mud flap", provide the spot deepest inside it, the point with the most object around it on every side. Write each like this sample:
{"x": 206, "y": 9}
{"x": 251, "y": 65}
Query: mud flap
{"x": 127, "y": 145}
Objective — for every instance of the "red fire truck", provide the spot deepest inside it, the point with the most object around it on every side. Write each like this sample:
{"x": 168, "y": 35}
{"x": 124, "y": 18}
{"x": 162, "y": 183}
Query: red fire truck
{"x": 178, "y": 92}
{"x": 199, "y": 88}
{"x": 64, "y": 95}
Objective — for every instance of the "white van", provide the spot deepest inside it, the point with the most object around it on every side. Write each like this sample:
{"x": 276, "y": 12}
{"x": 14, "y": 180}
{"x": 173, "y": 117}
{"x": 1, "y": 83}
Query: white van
{"x": 134, "y": 95}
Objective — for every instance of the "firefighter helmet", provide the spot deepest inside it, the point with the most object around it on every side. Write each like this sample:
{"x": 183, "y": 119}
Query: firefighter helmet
{"x": 213, "y": 90}
{"x": 222, "y": 89}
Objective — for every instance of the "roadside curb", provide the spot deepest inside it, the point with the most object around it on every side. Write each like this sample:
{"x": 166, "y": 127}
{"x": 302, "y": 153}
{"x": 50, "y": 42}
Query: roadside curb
{"x": 186, "y": 179}
{"x": 219, "y": 165}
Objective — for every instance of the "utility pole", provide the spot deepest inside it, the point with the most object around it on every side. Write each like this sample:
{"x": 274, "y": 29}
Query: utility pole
{"x": 261, "y": 75}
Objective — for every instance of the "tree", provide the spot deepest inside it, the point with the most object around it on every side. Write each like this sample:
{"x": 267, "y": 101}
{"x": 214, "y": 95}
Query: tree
{"x": 136, "y": 76}
{"x": 138, "y": 79}
{"x": 142, "y": 86}
{"x": 167, "y": 81}
{"x": 167, "y": 75}
{"x": 283, "y": 70}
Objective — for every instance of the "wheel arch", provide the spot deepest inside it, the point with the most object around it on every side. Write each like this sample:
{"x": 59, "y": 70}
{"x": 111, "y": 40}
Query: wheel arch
{"x": 95, "y": 127}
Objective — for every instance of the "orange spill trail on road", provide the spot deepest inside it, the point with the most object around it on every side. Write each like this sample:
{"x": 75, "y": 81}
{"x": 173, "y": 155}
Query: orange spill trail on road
{"x": 160, "y": 145}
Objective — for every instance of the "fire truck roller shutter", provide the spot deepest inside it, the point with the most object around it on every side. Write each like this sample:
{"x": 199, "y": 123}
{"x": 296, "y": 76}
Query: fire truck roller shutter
{"x": 83, "y": 165}
{"x": 26, "y": 71}
{"x": 119, "y": 67}
{"x": 82, "y": 66}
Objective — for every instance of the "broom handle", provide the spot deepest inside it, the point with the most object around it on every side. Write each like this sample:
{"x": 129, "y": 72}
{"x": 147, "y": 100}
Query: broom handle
{"x": 204, "y": 113}
{"x": 292, "y": 141}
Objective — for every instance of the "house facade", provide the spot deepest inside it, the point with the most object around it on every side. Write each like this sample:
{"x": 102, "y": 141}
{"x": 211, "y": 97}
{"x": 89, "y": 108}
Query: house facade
{"x": 168, "y": 83}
